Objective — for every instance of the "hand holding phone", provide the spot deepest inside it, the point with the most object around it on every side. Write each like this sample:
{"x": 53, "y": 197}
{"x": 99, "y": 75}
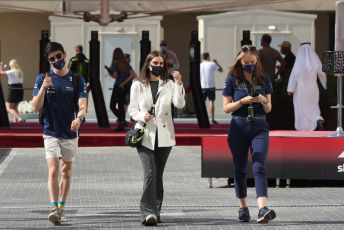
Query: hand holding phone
{"x": 108, "y": 69}
{"x": 255, "y": 94}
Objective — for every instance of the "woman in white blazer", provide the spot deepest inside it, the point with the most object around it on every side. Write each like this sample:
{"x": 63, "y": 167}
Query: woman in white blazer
{"x": 151, "y": 96}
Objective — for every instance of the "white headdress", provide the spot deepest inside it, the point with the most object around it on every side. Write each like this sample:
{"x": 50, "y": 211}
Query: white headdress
{"x": 307, "y": 59}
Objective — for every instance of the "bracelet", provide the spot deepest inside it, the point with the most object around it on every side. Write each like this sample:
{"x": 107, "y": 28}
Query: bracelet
{"x": 265, "y": 103}
{"x": 240, "y": 102}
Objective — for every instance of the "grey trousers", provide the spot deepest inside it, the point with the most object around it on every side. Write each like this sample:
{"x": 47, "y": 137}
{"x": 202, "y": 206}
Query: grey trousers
{"x": 153, "y": 163}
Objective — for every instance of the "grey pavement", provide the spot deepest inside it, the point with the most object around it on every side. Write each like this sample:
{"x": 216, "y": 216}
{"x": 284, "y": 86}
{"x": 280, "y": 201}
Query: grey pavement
{"x": 107, "y": 185}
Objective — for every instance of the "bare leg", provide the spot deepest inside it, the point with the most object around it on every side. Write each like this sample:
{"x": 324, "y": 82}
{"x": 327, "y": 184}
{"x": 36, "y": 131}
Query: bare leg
{"x": 53, "y": 187}
{"x": 12, "y": 108}
{"x": 66, "y": 174}
{"x": 261, "y": 202}
{"x": 212, "y": 110}
{"x": 242, "y": 202}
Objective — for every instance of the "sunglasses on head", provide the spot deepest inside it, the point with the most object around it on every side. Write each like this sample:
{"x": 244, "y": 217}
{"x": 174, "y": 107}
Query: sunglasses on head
{"x": 55, "y": 58}
{"x": 248, "y": 49}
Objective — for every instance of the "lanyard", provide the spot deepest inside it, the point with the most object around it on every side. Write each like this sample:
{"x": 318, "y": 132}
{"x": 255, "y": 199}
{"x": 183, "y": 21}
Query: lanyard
{"x": 249, "y": 91}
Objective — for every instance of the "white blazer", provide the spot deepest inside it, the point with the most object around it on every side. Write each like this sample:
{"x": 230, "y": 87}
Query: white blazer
{"x": 141, "y": 101}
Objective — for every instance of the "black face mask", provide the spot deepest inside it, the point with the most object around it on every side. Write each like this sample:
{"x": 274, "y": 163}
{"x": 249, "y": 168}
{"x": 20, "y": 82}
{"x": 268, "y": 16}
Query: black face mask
{"x": 157, "y": 70}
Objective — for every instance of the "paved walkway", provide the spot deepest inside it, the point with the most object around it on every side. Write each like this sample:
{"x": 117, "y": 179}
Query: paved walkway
{"x": 106, "y": 190}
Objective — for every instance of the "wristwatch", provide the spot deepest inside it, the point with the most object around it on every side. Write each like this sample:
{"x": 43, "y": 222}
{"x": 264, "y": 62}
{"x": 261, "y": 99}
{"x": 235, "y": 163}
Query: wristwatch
{"x": 82, "y": 119}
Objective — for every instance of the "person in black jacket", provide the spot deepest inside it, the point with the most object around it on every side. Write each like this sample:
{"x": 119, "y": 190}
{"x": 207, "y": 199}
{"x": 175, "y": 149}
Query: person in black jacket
{"x": 80, "y": 64}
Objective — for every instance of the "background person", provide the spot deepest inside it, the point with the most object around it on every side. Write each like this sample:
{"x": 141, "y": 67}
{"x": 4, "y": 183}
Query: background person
{"x": 247, "y": 95}
{"x": 171, "y": 58}
{"x": 128, "y": 87}
{"x": 124, "y": 74}
{"x": 154, "y": 87}
{"x": 54, "y": 93}
{"x": 15, "y": 84}
{"x": 289, "y": 60}
{"x": 268, "y": 56}
{"x": 80, "y": 64}
{"x": 207, "y": 74}
{"x": 304, "y": 88}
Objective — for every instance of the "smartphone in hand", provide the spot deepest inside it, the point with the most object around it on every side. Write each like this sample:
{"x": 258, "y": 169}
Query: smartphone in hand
{"x": 108, "y": 69}
{"x": 255, "y": 94}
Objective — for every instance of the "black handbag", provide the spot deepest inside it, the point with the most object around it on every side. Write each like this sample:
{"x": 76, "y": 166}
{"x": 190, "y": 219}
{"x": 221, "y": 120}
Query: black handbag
{"x": 134, "y": 136}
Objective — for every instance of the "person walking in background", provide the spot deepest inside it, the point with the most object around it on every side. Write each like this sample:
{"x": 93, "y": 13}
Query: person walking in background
{"x": 289, "y": 60}
{"x": 124, "y": 74}
{"x": 247, "y": 95}
{"x": 207, "y": 73}
{"x": 151, "y": 97}
{"x": 128, "y": 85}
{"x": 54, "y": 92}
{"x": 171, "y": 58}
{"x": 15, "y": 85}
{"x": 80, "y": 64}
{"x": 303, "y": 87}
{"x": 268, "y": 56}
{"x": 172, "y": 64}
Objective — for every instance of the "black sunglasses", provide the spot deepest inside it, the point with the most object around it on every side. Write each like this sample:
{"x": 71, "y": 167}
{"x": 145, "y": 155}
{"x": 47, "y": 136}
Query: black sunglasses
{"x": 246, "y": 49}
{"x": 55, "y": 58}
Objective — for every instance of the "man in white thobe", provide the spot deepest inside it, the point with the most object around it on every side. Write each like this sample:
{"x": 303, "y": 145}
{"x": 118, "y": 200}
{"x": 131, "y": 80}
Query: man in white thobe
{"x": 304, "y": 88}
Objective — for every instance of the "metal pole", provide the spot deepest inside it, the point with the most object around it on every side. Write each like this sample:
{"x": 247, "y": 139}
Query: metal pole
{"x": 339, "y": 106}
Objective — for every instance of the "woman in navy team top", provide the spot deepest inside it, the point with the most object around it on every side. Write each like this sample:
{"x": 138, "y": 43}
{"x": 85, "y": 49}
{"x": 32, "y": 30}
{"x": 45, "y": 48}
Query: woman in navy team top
{"x": 247, "y": 95}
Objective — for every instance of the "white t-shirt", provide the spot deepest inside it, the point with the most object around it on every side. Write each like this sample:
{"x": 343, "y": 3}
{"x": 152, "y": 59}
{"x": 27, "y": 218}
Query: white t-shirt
{"x": 14, "y": 77}
{"x": 207, "y": 71}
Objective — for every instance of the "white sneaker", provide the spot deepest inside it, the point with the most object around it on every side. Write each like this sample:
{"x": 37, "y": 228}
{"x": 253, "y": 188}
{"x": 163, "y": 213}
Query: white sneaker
{"x": 150, "y": 220}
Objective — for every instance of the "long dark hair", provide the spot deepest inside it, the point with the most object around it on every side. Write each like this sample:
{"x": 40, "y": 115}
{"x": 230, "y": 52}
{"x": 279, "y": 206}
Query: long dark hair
{"x": 119, "y": 58}
{"x": 236, "y": 69}
{"x": 145, "y": 72}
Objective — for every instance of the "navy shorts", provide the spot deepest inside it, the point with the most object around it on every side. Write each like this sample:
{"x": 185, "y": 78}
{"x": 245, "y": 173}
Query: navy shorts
{"x": 209, "y": 93}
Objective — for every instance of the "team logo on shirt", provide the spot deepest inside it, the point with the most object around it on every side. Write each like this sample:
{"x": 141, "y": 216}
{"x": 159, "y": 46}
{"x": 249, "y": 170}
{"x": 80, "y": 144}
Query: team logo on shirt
{"x": 68, "y": 88}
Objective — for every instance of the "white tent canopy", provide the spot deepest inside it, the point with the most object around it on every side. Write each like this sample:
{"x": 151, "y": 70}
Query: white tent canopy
{"x": 166, "y": 6}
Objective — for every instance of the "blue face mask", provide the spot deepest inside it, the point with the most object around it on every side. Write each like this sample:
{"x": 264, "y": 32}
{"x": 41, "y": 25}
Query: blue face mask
{"x": 59, "y": 64}
{"x": 249, "y": 68}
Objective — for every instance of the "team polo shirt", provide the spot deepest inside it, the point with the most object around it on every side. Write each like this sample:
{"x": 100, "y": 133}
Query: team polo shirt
{"x": 60, "y": 108}
{"x": 121, "y": 76}
{"x": 239, "y": 91}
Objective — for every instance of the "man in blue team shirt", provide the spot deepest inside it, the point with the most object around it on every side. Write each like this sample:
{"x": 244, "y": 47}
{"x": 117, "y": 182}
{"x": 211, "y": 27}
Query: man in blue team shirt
{"x": 54, "y": 92}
